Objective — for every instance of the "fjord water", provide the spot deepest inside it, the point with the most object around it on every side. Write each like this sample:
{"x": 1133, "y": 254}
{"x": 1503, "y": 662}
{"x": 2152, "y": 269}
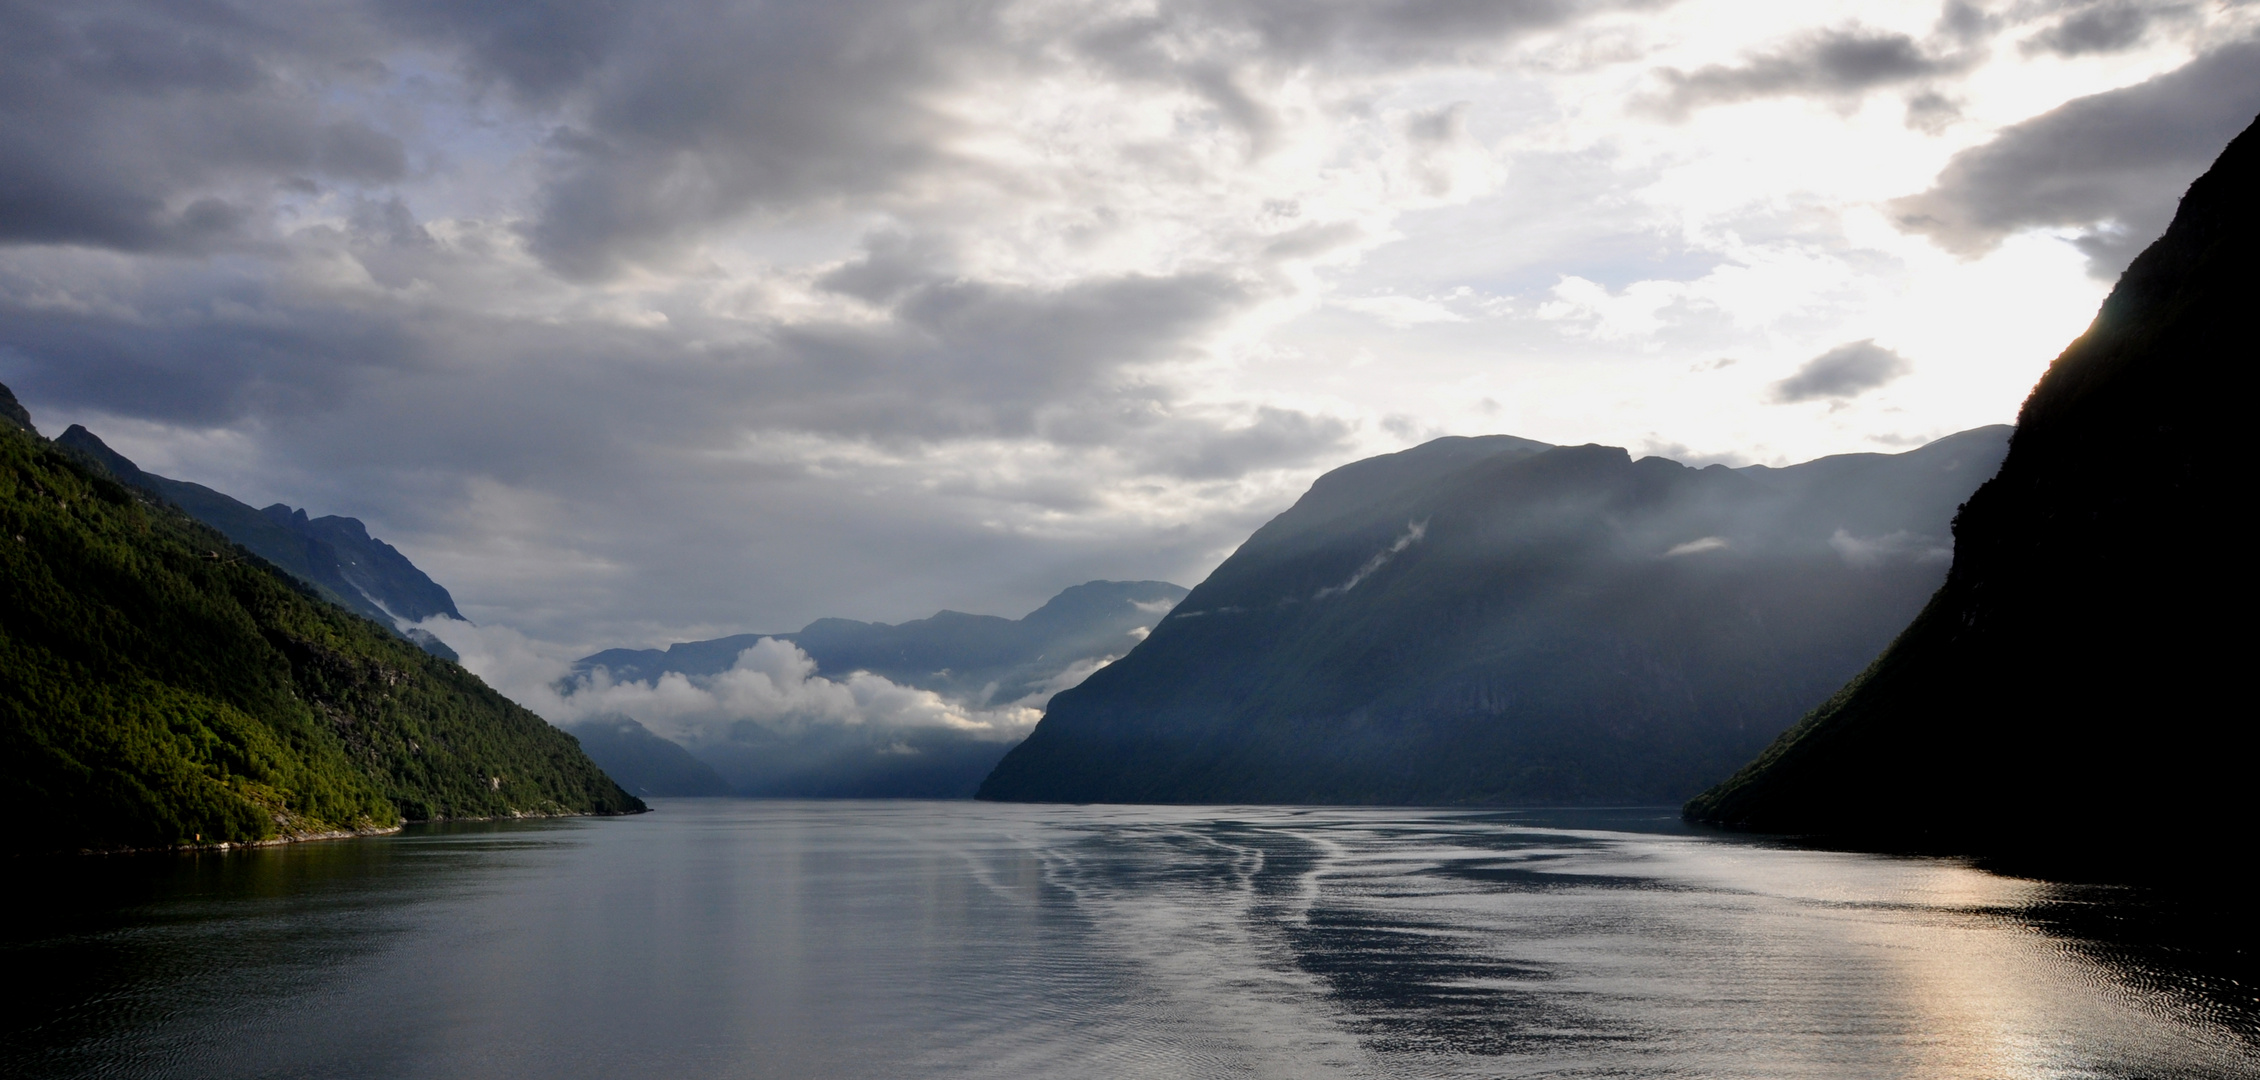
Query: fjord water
{"x": 731, "y": 938}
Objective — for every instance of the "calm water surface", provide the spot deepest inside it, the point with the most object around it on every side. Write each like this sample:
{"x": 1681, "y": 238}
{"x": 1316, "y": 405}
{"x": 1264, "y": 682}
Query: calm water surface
{"x": 724, "y": 938}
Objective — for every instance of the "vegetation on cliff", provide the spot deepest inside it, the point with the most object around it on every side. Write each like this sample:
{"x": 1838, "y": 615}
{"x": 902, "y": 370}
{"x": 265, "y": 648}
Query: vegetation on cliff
{"x": 160, "y": 685}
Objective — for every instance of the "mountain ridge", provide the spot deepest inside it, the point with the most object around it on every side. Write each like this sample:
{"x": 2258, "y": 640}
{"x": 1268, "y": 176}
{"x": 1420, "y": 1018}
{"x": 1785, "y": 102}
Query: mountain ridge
{"x": 162, "y": 686}
{"x": 950, "y": 652}
{"x": 1509, "y": 622}
{"x": 977, "y": 662}
{"x": 335, "y": 555}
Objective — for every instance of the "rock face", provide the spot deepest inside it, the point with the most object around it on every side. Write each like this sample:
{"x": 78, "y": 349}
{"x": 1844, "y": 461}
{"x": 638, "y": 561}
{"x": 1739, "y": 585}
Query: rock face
{"x": 1496, "y": 620}
{"x": 161, "y": 686}
{"x": 336, "y": 555}
{"x": 2068, "y": 696}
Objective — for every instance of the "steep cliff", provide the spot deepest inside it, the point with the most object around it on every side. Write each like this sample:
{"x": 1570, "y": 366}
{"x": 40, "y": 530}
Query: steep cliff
{"x": 2070, "y": 694}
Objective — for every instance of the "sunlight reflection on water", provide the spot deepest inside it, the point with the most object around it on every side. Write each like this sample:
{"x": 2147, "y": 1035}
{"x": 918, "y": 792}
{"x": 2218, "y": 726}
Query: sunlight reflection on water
{"x": 905, "y": 939}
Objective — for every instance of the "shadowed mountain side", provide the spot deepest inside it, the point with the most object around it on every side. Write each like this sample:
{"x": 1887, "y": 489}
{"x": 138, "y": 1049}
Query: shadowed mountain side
{"x": 1497, "y": 621}
{"x": 843, "y": 762}
{"x": 336, "y": 555}
{"x": 644, "y": 763}
{"x": 160, "y": 685}
{"x": 2071, "y": 697}
{"x": 981, "y": 659}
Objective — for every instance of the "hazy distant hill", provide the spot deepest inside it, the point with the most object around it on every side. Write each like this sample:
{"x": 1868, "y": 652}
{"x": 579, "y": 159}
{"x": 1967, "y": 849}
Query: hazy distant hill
{"x": 980, "y": 658}
{"x": 159, "y": 685}
{"x": 2073, "y": 694}
{"x": 1500, "y": 621}
{"x": 982, "y": 661}
{"x": 644, "y": 763}
{"x": 336, "y": 555}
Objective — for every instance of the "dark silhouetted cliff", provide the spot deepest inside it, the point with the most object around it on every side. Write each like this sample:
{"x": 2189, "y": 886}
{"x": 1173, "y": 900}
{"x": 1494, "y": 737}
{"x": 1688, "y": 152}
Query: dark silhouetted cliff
{"x": 2068, "y": 698}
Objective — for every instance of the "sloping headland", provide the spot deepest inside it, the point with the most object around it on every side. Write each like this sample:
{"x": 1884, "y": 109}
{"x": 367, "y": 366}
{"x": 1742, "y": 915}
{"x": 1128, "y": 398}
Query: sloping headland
{"x": 161, "y": 686}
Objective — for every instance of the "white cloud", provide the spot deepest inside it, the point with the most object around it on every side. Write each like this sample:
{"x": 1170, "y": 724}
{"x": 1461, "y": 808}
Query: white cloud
{"x": 1401, "y": 311}
{"x": 1869, "y": 552}
{"x": 1414, "y": 533}
{"x": 773, "y": 684}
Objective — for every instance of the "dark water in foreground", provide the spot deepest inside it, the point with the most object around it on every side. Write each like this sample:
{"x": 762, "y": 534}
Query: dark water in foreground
{"x": 900, "y": 939}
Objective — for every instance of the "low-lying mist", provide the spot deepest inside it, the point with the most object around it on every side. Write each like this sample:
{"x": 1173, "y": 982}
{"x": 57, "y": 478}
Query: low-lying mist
{"x": 771, "y": 724}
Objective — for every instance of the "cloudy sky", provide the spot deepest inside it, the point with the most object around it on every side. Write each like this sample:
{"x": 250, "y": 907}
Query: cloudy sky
{"x": 641, "y": 322}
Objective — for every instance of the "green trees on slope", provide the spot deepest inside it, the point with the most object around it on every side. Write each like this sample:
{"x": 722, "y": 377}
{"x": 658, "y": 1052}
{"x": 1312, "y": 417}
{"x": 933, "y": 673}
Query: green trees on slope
{"x": 159, "y": 685}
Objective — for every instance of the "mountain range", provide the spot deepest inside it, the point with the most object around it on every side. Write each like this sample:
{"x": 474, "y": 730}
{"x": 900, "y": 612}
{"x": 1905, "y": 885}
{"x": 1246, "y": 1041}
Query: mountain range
{"x": 334, "y": 555}
{"x": 1496, "y": 620}
{"x": 2071, "y": 698}
{"x": 978, "y": 662}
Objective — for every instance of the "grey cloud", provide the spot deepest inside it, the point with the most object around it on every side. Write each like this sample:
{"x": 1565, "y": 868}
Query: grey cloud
{"x": 961, "y": 359}
{"x": 540, "y": 50}
{"x": 1393, "y": 31}
{"x": 1333, "y": 31}
{"x": 148, "y": 127}
{"x": 1204, "y": 46}
{"x": 1931, "y": 112}
{"x": 2110, "y": 26}
{"x": 893, "y": 263}
{"x": 969, "y": 358}
{"x": 666, "y": 119}
{"x": 674, "y": 117}
{"x": 1831, "y": 64}
{"x": 1966, "y": 22}
{"x": 799, "y": 475}
{"x": 2113, "y": 163}
{"x": 1276, "y": 437}
{"x": 1846, "y": 371}
{"x": 354, "y": 151}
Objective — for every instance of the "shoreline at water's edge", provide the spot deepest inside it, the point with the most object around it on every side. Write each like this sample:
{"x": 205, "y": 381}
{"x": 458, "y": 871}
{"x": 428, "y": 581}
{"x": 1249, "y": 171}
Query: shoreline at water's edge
{"x": 329, "y": 834}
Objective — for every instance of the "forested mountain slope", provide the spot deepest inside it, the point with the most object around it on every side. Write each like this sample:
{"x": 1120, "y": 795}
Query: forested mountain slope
{"x": 336, "y": 555}
{"x": 160, "y": 685}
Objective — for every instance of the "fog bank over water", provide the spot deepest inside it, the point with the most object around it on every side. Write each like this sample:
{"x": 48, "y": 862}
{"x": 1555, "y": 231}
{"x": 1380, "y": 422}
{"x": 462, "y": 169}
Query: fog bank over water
{"x": 940, "y": 940}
